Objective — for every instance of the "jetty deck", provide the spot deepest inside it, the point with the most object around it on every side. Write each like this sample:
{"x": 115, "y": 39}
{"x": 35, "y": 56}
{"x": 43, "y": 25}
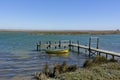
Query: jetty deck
{"x": 97, "y": 50}
{"x": 70, "y": 44}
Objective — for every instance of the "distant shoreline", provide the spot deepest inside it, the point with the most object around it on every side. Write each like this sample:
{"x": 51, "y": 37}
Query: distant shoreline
{"x": 65, "y": 31}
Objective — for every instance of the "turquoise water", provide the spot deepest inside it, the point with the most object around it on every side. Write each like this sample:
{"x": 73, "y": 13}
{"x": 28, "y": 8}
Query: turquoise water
{"x": 18, "y": 53}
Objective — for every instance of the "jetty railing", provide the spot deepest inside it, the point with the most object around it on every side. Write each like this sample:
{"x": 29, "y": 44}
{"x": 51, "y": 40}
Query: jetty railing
{"x": 53, "y": 44}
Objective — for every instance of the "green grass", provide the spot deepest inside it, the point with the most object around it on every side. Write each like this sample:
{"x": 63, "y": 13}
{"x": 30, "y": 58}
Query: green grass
{"x": 95, "y": 61}
{"x": 98, "y": 68}
{"x": 107, "y": 71}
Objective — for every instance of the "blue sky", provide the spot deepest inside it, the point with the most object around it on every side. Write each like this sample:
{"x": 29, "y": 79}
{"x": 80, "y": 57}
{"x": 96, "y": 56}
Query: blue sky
{"x": 60, "y": 14}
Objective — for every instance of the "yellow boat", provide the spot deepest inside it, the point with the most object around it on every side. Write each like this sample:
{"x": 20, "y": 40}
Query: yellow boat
{"x": 57, "y": 51}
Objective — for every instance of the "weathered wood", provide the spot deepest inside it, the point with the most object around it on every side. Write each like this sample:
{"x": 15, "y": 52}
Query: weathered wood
{"x": 89, "y": 43}
{"x": 70, "y": 45}
{"x": 89, "y": 46}
{"x": 99, "y": 53}
{"x": 113, "y": 57}
{"x": 59, "y": 44}
{"x": 89, "y": 53}
{"x": 49, "y": 44}
{"x": 106, "y": 55}
{"x": 97, "y": 43}
{"x": 78, "y": 46}
{"x": 37, "y": 47}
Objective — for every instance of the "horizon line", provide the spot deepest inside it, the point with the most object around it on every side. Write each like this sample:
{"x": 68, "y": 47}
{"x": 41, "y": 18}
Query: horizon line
{"x": 57, "y": 30}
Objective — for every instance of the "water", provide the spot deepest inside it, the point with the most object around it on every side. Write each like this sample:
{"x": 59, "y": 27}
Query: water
{"x": 18, "y": 55}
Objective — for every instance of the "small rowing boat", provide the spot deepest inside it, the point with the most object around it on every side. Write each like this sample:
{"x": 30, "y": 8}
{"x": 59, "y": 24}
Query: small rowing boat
{"x": 57, "y": 51}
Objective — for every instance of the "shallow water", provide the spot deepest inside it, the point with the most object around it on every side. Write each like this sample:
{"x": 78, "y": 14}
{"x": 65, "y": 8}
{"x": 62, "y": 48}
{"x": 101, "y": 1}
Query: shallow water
{"x": 18, "y": 55}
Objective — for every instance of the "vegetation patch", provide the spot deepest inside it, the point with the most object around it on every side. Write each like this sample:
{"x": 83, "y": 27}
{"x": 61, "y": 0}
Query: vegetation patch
{"x": 97, "y": 60}
{"x": 106, "y": 71}
{"x": 98, "y": 68}
{"x": 57, "y": 70}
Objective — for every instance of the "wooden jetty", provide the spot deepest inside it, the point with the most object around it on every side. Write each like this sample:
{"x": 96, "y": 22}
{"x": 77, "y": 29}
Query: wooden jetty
{"x": 58, "y": 44}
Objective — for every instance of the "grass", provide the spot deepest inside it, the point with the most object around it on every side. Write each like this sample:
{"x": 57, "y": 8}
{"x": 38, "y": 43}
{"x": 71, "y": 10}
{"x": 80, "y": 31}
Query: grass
{"x": 57, "y": 70}
{"x": 106, "y": 71}
{"x": 98, "y": 68}
{"x": 97, "y": 60}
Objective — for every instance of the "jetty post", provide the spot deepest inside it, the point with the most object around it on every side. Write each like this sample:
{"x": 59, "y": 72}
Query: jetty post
{"x": 70, "y": 42}
{"x": 59, "y": 44}
{"x": 49, "y": 44}
{"x": 113, "y": 57}
{"x": 89, "y": 46}
{"x": 55, "y": 44}
{"x": 97, "y": 43}
{"x": 78, "y": 46}
{"x": 106, "y": 55}
{"x": 39, "y": 46}
{"x": 97, "y": 47}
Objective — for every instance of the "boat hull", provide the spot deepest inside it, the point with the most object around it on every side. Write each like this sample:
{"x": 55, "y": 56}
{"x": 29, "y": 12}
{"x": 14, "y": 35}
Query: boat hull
{"x": 57, "y": 51}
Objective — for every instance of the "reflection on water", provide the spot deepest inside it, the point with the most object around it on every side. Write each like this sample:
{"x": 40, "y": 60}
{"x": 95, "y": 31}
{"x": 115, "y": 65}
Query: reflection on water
{"x": 62, "y": 55}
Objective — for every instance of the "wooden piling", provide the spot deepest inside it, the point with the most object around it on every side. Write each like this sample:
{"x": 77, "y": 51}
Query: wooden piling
{"x": 69, "y": 44}
{"x": 97, "y": 43}
{"x": 49, "y": 44}
{"x": 37, "y": 46}
{"x": 89, "y": 46}
{"x": 59, "y": 44}
{"x": 113, "y": 57}
{"x": 99, "y": 53}
{"x": 89, "y": 43}
{"x": 106, "y": 56}
{"x": 89, "y": 54}
{"x": 78, "y": 46}
{"x": 97, "y": 46}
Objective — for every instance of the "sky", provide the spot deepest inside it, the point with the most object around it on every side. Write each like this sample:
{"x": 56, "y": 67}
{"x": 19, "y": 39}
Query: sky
{"x": 60, "y": 14}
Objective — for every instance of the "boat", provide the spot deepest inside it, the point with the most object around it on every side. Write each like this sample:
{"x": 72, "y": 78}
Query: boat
{"x": 57, "y": 51}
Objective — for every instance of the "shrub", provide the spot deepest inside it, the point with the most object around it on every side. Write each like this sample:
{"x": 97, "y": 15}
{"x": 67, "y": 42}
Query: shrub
{"x": 99, "y": 59}
{"x": 112, "y": 60}
{"x": 87, "y": 63}
{"x": 95, "y": 61}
